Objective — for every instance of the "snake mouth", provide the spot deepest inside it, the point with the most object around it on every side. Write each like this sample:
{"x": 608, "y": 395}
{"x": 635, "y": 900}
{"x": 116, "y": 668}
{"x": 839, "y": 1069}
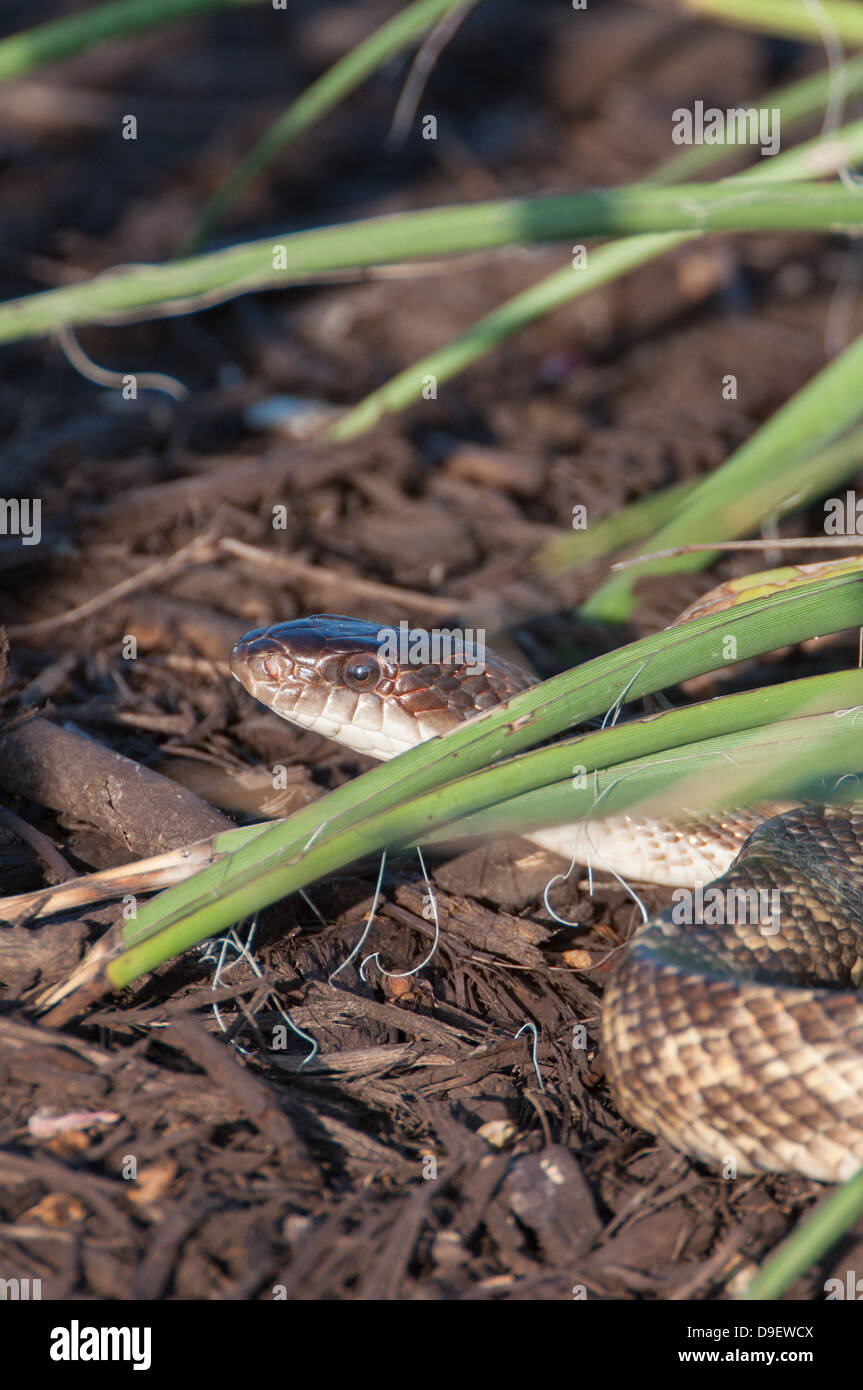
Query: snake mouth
{"x": 323, "y": 674}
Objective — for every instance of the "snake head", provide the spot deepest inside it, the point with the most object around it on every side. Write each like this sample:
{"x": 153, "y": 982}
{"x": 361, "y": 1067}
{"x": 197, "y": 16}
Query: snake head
{"x": 351, "y": 681}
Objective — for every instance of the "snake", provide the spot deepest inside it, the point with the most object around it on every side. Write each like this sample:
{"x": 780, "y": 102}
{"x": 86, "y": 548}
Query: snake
{"x": 739, "y": 1042}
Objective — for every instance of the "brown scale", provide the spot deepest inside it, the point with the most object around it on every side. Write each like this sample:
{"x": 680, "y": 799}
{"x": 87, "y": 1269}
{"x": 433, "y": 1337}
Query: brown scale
{"x": 733, "y": 1044}
{"x": 725, "y": 1041}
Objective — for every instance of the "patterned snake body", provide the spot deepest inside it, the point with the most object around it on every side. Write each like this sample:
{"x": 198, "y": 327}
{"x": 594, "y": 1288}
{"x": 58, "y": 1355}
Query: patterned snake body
{"x": 741, "y": 1044}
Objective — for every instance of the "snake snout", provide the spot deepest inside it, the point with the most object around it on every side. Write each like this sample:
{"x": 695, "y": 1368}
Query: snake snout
{"x": 258, "y": 658}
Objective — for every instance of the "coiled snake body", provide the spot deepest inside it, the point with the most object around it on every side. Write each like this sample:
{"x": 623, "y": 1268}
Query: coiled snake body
{"x": 741, "y": 1044}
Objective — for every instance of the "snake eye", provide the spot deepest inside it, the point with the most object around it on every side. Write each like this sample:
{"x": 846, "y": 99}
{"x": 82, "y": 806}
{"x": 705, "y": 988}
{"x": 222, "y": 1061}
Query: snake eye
{"x": 362, "y": 672}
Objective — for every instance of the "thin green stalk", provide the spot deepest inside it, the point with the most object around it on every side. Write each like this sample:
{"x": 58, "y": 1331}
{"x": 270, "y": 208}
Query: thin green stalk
{"x": 604, "y": 264}
{"x": 60, "y": 38}
{"x": 360, "y": 817}
{"x": 793, "y": 103}
{"x": 732, "y": 751}
{"x": 734, "y": 713}
{"x": 752, "y": 483}
{"x": 432, "y": 233}
{"x": 827, "y": 1224}
{"x": 397, "y": 34}
{"x": 805, "y": 479}
{"x": 570, "y": 551}
{"x": 789, "y": 18}
{"x": 798, "y": 101}
{"x": 788, "y": 758}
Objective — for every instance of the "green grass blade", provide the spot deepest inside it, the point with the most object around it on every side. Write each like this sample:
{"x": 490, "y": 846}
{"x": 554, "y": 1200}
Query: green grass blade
{"x": 789, "y": 18}
{"x": 604, "y": 264}
{"x": 752, "y": 483}
{"x": 791, "y": 758}
{"x": 805, "y": 480}
{"x": 60, "y": 38}
{"x": 690, "y": 752}
{"x": 795, "y": 103}
{"x": 436, "y": 232}
{"x": 397, "y": 34}
{"x": 827, "y": 1224}
{"x": 571, "y": 551}
{"x": 369, "y": 812}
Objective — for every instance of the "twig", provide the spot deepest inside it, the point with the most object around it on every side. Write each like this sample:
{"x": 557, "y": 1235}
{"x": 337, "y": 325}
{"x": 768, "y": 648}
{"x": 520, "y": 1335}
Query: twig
{"x": 198, "y": 552}
{"x": 40, "y": 844}
{"x": 768, "y": 543}
{"x": 317, "y": 574}
{"x": 143, "y": 876}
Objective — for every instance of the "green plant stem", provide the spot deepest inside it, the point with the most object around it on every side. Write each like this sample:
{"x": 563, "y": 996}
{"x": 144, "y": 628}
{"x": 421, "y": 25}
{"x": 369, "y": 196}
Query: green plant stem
{"x": 397, "y": 34}
{"x": 786, "y": 17}
{"x": 437, "y": 232}
{"x": 785, "y": 759}
{"x": 831, "y": 1219}
{"x": 795, "y": 103}
{"x": 604, "y": 264}
{"x": 804, "y": 480}
{"x": 753, "y": 481}
{"x": 731, "y": 752}
{"x": 60, "y": 38}
{"x": 571, "y": 550}
{"x": 369, "y": 812}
